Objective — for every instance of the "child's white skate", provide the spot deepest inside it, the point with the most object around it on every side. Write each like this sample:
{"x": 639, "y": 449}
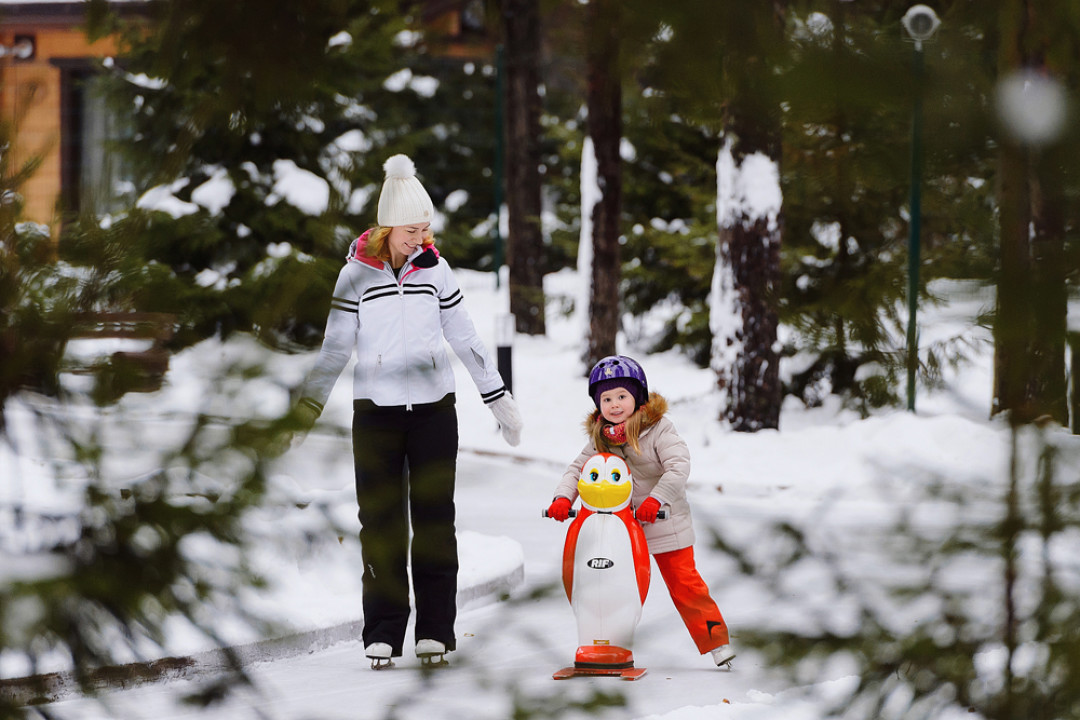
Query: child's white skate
{"x": 723, "y": 656}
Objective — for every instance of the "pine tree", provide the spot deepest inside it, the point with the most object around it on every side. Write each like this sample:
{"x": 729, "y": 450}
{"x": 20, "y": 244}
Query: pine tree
{"x": 35, "y": 303}
{"x": 318, "y": 94}
{"x": 738, "y": 51}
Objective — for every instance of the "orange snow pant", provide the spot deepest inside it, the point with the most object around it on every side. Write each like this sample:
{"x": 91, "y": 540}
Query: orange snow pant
{"x": 691, "y": 597}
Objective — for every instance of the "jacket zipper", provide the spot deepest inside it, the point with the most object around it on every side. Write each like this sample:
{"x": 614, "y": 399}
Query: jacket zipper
{"x": 404, "y": 335}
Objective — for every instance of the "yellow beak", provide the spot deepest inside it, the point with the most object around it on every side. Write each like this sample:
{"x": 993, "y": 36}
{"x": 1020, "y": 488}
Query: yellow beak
{"x": 604, "y": 495}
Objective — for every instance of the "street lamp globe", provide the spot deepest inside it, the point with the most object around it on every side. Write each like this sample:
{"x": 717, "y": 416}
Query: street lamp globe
{"x": 921, "y": 22}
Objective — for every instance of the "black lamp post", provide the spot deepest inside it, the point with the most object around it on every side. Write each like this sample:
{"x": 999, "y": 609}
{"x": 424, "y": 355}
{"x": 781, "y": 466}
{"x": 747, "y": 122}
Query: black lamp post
{"x": 920, "y": 22}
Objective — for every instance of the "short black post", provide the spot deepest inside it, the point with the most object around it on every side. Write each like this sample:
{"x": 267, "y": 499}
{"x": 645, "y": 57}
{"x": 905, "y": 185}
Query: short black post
{"x": 504, "y": 348}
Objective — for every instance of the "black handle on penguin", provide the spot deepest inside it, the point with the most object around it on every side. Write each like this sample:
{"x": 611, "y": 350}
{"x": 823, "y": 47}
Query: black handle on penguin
{"x": 661, "y": 515}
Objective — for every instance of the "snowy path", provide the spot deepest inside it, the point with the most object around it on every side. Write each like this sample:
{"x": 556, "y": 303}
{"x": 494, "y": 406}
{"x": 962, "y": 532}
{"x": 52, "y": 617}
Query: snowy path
{"x": 507, "y": 650}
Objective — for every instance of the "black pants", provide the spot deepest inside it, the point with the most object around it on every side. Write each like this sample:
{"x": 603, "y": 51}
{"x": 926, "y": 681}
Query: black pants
{"x": 405, "y": 469}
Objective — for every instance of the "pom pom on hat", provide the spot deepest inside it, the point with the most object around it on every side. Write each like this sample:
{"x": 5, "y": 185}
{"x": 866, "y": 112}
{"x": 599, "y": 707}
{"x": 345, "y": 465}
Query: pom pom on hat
{"x": 403, "y": 200}
{"x": 399, "y": 167}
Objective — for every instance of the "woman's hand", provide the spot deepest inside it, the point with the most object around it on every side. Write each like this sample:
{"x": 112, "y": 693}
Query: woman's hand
{"x": 506, "y": 412}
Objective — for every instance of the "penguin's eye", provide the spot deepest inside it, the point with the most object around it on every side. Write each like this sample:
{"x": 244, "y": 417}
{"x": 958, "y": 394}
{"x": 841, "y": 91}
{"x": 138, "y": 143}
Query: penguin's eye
{"x": 594, "y": 475}
{"x": 616, "y": 476}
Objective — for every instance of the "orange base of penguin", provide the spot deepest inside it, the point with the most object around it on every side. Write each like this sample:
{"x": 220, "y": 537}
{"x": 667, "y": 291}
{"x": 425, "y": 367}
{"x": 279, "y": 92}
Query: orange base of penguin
{"x": 604, "y": 660}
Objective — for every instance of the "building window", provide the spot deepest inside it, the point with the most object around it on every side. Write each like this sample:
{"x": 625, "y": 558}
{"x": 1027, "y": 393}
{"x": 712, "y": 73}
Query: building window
{"x": 94, "y": 180}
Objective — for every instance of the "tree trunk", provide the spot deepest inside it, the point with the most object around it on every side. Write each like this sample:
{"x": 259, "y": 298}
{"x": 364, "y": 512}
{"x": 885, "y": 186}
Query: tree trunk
{"x": 743, "y": 313}
{"x": 525, "y": 244}
{"x": 1030, "y": 332}
{"x": 604, "y": 103}
{"x": 1049, "y": 297}
{"x": 1010, "y": 326}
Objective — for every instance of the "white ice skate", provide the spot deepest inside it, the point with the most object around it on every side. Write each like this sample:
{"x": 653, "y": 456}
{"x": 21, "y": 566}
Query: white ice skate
{"x": 432, "y": 653}
{"x": 723, "y": 656}
{"x": 379, "y": 654}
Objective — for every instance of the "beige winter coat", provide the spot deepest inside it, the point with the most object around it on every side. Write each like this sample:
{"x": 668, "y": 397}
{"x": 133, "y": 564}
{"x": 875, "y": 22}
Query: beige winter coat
{"x": 661, "y": 470}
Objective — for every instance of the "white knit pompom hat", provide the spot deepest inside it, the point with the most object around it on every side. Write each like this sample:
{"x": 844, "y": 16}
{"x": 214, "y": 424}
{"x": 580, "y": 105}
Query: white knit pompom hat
{"x": 403, "y": 201}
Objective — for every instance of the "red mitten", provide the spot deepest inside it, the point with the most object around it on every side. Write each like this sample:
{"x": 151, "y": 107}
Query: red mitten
{"x": 647, "y": 512}
{"x": 559, "y": 509}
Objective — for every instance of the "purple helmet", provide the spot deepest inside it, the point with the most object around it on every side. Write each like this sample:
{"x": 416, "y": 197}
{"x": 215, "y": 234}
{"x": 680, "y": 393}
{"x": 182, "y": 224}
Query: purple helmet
{"x": 618, "y": 371}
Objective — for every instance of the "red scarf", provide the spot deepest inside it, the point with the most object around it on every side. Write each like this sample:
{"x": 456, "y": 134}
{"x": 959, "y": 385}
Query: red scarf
{"x": 615, "y": 434}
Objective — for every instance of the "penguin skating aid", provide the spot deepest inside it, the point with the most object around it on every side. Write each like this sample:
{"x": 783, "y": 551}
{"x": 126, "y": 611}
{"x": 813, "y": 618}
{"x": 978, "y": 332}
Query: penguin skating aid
{"x": 606, "y": 571}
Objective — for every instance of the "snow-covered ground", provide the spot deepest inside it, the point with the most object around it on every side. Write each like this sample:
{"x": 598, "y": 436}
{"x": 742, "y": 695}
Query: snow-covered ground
{"x": 848, "y": 482}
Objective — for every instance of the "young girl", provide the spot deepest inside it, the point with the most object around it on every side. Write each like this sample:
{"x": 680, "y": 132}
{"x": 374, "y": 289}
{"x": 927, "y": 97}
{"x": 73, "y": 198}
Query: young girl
{"x": 629, "y": 421}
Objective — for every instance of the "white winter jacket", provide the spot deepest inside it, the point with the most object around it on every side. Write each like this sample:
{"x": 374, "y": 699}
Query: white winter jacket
{"x": 396, "y": 325}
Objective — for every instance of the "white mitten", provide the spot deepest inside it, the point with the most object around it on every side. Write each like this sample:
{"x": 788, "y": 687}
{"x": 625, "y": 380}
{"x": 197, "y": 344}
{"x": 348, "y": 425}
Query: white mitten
{"x": 506, "y": 412}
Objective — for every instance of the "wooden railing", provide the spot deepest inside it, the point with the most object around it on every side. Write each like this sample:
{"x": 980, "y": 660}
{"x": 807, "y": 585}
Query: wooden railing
{"x": 128, "y": 370}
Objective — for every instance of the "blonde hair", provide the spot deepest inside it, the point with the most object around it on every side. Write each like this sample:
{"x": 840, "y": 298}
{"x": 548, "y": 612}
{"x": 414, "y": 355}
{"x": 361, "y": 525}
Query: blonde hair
{"x": 634, "y": 427}
{"x": 377, "y": 247}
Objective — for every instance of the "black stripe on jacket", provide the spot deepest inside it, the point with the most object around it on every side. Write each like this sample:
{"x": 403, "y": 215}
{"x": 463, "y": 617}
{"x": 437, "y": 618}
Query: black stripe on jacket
{"x": 384, "y": 291}
{"x": 490, "y": 397}
{"x": 449, "y": 302}
{"x": 344, "y": 304}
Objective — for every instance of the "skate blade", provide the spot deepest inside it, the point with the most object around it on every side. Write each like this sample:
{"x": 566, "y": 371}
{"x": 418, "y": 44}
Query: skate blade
{"x": 381, "y": 663}
{"x": 726, "y": 664}
{"x": 433, "y": 661}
